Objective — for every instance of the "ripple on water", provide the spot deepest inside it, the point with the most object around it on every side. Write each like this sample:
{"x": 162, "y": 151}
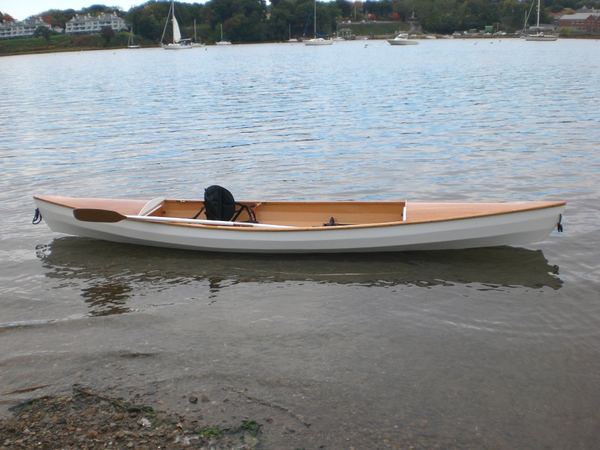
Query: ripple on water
{"x": 347, "y": 122}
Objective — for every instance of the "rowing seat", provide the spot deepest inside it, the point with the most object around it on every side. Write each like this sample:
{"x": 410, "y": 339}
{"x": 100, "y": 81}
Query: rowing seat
{"x": 219, "y": 204}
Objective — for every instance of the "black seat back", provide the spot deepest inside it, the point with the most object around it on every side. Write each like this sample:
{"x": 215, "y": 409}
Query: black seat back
{"x": 219, "y": 203}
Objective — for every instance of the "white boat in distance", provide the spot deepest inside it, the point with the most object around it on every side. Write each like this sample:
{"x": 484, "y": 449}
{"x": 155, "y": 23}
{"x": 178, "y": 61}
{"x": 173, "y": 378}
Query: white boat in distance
{"x": 540, "y": 36}
{"x": 402, "y": 39}
{"x": 130, "y": 42}
{"x": 303, "y": 227}
{"x": 317, "y": 40}
{"x": 195, "y": 42}
{"x": 178, "y": 43}
{"x": 290, "y": 38}
{"x": 222, "y": 42}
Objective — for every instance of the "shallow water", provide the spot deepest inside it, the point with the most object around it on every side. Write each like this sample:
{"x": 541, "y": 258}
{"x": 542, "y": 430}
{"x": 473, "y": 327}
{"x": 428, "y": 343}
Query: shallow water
{"x": 488, "y": 348}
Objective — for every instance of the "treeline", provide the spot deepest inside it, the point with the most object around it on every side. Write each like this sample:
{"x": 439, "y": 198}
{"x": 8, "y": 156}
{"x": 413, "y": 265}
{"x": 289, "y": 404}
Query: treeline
{"x": 255, "y": 21}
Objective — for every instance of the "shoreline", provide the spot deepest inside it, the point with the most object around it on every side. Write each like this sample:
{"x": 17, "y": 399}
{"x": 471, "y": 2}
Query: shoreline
{"x": 87, "y": 417}
{"x": 360, "y": 39}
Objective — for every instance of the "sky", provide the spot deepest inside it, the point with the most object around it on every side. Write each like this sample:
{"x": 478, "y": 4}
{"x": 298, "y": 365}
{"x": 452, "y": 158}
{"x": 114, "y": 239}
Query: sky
{"x": 21, "y": 9}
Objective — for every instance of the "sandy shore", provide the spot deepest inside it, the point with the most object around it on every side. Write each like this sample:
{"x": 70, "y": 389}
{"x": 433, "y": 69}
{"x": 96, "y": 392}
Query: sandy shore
{"x": 84, "y": 418}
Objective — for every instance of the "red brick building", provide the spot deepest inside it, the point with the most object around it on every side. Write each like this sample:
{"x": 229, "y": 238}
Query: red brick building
{"x": 588, "y": 23}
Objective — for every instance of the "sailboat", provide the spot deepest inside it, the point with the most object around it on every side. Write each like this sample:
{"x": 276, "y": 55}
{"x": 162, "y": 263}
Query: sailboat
{"x": 540, "y": 36}
{"x": 130, "y": 42}
{"x": 315, "y": 40}
{"x": 196, "y": 43}
{"x": 290, "y": 39}
{"x": 222, "y": 42}
{"x": 178, "y": 43}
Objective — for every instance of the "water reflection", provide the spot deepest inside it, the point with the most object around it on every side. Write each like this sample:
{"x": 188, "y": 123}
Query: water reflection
{"x": 106, "y": 298}
{"x": 112, "y": 272}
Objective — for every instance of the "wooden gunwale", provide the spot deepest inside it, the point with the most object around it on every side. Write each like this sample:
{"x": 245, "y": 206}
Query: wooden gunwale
{"x": 536, "y": 206}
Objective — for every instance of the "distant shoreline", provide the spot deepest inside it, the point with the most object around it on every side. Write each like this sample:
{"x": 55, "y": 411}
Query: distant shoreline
{"x": 64, "y": 50}
{"x": 360, "y": 39}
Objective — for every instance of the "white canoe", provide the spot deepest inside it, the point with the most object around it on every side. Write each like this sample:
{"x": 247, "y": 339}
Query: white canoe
{"x": 300, "y": 227}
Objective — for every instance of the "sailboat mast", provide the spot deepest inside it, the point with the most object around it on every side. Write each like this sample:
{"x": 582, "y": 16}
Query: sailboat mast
{"x": 538, "y": 16}
{"x": 173, "y": 18}
{"x": 162, "y": 37}
{"x": 315, "y": 20}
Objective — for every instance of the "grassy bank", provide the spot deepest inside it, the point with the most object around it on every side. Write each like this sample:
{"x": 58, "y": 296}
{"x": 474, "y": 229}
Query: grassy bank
{"x": 61, "y": 43}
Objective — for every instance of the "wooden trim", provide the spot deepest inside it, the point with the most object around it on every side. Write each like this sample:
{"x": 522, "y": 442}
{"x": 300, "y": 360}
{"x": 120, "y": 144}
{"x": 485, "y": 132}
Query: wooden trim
{"x": 371, "y": 225}
{"x": 534, "y": 206}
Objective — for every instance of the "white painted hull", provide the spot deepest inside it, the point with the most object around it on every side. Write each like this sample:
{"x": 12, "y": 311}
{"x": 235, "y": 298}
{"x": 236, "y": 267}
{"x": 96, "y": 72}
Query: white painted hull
{"x": 547, "y": 38}
{"x": 401, "y": 42}
{"x": 318, "y": 41}
{"x": 518, "y": 228}
{"x": 176, "y": 46}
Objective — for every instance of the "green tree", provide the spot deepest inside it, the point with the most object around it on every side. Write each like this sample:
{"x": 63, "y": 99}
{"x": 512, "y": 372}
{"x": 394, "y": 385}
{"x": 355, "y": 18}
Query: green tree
{"x": 43, "y": 32}
{"x": 439, "y": 16}
{"x": 107, "y": 33}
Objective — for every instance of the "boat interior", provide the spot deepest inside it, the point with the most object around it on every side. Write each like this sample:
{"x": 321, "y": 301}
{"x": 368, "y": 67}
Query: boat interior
{"x": 298, "y": 214}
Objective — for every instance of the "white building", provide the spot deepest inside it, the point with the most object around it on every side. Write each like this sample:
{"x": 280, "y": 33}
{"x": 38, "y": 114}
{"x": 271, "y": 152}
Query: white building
{"x": 86, "y": 23}
{"x": 21, "y": 29}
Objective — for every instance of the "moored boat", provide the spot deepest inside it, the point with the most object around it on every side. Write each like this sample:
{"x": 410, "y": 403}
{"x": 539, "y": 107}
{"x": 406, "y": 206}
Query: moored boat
{"x": 539, "y": 36}
{"x": 130, "y": 40}
{"x": 178, "y": 43}
{"x": 402, "y": 39}
{"x": 317, "y": 40}
{"x": 302, "y": 227}
{"x": 222, "y": 41}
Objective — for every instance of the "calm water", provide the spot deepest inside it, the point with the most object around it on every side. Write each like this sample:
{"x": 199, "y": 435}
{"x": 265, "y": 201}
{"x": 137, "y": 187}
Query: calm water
{"x": 490, "y": 348}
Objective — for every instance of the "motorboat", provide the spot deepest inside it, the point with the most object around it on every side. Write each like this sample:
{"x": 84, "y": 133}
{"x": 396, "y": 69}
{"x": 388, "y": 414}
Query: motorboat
{"x": 402, "y": 39}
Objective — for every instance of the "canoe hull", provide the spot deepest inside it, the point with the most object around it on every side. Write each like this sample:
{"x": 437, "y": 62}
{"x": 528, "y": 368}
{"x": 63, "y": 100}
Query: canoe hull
{"x": 513, "y": 229}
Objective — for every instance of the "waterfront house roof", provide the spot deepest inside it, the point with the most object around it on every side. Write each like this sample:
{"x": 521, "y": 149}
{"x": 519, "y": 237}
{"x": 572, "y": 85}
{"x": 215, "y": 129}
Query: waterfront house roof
{"x": 579, "y": 16}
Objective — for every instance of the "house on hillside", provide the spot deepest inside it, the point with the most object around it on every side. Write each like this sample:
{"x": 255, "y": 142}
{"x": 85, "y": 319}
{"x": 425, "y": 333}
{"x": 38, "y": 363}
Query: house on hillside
{"x": 86, "y": 23}
{"x": 21, "y": 28}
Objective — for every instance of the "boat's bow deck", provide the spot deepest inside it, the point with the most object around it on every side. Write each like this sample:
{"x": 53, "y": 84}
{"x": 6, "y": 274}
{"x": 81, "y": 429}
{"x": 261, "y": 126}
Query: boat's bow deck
{"x": 122, "y": 206}
{"x": 418, "y": 212}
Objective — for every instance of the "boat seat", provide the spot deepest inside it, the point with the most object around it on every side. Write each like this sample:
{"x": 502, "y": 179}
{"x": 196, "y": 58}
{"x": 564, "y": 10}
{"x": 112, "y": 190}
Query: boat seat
{"x": 219, "y": 204}
{"x": 151, "y": 206}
